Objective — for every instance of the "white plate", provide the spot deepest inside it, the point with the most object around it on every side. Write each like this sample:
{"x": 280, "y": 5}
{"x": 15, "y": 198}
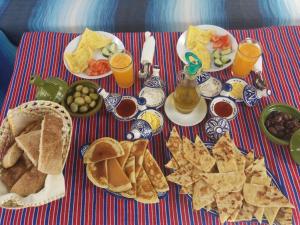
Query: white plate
{"x": 72, "y": 46}
{"x": 186, "y": 120}
{"x": 181, "y": 48}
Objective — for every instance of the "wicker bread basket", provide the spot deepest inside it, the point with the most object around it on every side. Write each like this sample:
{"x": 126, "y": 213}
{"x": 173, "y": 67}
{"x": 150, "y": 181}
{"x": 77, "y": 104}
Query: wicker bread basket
{"x": 40, "y": 108}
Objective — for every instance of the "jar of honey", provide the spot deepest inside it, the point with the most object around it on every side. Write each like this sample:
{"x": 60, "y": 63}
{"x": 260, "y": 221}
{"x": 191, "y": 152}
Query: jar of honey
{"x": 185, "y": 96}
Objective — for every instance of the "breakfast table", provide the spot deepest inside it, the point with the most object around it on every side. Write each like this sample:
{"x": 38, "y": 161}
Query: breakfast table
{"x": 42, "y": 53}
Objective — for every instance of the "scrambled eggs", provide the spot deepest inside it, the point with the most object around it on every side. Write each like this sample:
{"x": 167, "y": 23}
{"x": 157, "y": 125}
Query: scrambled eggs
{"x": 152, "y": 119}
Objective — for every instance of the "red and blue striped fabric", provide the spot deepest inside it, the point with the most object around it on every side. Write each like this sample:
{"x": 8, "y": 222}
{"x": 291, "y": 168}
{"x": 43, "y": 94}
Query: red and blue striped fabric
{"x": 42, "y": 53}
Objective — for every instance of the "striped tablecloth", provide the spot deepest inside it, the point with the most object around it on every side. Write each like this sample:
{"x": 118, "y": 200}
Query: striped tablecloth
{"x": 42, "y": 53}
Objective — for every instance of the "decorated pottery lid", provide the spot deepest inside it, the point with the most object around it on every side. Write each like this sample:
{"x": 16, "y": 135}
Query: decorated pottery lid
{"x": 251, "y": 95}
{"x": 223, "y": 107}
{"x": 154, "y": 81}
{"x": 216, "y": 127}
{"x": 139, "y": 129}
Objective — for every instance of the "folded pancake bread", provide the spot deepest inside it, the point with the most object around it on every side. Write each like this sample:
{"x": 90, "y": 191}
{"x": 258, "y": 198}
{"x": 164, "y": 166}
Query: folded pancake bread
{"x": 12, "y": 155}
{"x": 50, "y": 159}
{"x": 30, "y": 182}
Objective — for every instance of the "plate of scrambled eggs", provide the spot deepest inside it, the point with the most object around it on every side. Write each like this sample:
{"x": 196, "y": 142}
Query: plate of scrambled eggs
{"x": 88, "y": 47}
{"x": 214, "y": 46}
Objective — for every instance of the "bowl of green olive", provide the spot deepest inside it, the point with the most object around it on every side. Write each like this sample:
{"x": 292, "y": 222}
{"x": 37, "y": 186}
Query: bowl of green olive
{"x": 81, "y": 99}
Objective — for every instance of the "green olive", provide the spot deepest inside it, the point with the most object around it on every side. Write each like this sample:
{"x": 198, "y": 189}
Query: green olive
{"x": 79, "y": 101}
{"x": 85, "y": 90}
{"x": 76, "y": 94}
{"x": 78, "y": 87}
{"x": 69, "y": 100}
{"x": 92, "y": 104}
{"x": 94, "y": 96}
{"x": 74, "y": 107}
{"x": 92, "y": 90}
{"x": 87, "y": 99}
{"x": 83, "y": 108}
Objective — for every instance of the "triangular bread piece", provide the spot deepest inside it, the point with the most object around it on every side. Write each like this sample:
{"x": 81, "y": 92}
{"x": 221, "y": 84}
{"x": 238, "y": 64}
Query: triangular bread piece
{"x": 182, "y": 176}
{"x": 249, "y": 158}
{"x": 228, "y": 203}
{"x": 271, "y": 213}
{"x": 264, "y": 196}
{"x": 138, "y": 151}
{"x": 129, "y": 169}
{"x": 36, "y": 125}
{"x": 154, "y": 173}
{"x": 126, "y": 145}
{"x": 174, "y": 144}
{"x": 257, "y": 168}
{"x": 19, "y": 120}
{"x": 30, "y": 144}
{"x": 172, "y": 164}
{"x": 117, "y": 179}
{"x": 186, "y": 190}
{"x": 145, "y": 191}
{"x": 97, "y": 173}
{"x": 225, "y": 182}
{"x": 203, "y": 195}
{"x": 285, "y": 216}
{"x": 11, "y": 156}
{"x": 223, "y": 152}
{"x": 51, "y": 159}
{"x": 240, "y": 160}
{"x": 30, "y": 182}
{"x": 103, "y": 149}
{"x": 245, "y": 213}
{"x": 197, "y": 154}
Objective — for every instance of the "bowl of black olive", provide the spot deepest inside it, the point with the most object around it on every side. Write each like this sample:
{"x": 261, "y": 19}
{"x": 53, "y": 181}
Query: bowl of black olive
{"x": 279, "y": 122}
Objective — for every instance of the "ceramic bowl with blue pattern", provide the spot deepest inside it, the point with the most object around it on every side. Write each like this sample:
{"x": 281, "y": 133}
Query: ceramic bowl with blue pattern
{"x": 216, "y": 127}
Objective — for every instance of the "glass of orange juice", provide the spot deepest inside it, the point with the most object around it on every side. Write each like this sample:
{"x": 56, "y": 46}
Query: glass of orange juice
{"x": 121, "y": 65}
{"x": 249, "y": 51}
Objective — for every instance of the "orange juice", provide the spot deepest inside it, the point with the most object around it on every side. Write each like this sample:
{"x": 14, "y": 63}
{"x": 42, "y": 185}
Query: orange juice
{"x": 248, "y": 52}
{"x": 122, "y": 68}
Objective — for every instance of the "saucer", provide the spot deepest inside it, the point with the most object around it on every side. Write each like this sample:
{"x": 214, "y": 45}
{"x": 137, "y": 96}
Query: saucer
{"x": 186, "y": 120}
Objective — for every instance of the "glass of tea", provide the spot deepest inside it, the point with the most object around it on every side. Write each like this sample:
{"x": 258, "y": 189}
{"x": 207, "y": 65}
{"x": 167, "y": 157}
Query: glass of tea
{"x": 249, "y": 50}
{"x": 121, "y": 65}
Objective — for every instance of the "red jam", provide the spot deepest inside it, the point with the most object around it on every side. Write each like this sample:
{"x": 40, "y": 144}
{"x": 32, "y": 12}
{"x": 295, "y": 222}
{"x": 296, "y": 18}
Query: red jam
{"x": 126, "y": 108}
{"x": 223, "y": 109}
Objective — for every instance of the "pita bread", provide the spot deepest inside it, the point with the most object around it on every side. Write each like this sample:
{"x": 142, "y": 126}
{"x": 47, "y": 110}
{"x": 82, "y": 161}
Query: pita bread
{"x": 11, "y": 175}
{"x": 30, "y": 182}
{"x": 30, "y": 144}
{"x": 11, "y": 156}
{"x": 228, "y": 204}
{"x": 203, "y": 195}
{"x": 257, "y": 169}
{"x": 285, "y": 216}
{"x": 154, "y": 173}
{"x": 264, "y": 196}
{"x": 182, "y": 176}
{"x": 36, "y": 125}
{"x": 103, "y": 149}
{"x": 97, "y": 173}
{"x": 240, "y": 160}
{"x": 197, "y": 154}
{"x": 138, "y": 151}
{"x": 271, "y": 213}
{"x": 145, "y": 191}
{"x": 245, "y": 213}
{"x": 126, "y": 145}
{"x": 19, "y": 120}
{"x": 174, "y": 144}
{"x": 130, "y": 172}
{"x": 117, "y": 179}
{"x": 186, "y": 190}
{"x": 172, "y": 164}
{"x": 225, "y": 182}
{"x": 224, "y": 153}
{"x": 249, "y": 159}
{"x": 51, "y": 159}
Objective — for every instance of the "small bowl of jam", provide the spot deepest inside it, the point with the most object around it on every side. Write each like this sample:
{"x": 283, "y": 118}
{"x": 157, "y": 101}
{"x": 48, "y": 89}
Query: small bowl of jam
{"x": 223, "y": 107}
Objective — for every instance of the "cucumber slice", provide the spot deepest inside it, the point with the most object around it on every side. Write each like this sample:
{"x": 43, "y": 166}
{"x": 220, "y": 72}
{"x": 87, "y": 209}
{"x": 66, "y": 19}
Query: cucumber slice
{"x": 113, "y": 48}
{"x": 218, "y": 63}
{"x": 225, "y": 59}
{"x": 226, "y": 51}
{"x": 105, "y": 52}
{"x": 216, "y": 54}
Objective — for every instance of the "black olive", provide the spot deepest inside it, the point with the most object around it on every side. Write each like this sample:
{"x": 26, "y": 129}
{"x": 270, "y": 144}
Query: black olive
{"x": 268, "y": 123}
{"x": 279, "y": 128}
{"x": 286, "y": 116}
{"x": 278, "y": 118}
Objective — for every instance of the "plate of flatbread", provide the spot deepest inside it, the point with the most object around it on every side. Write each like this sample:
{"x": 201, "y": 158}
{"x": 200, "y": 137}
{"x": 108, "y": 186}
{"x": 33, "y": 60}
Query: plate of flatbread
{"x": 125, "y": 169}
{"x": 226, "y": 181}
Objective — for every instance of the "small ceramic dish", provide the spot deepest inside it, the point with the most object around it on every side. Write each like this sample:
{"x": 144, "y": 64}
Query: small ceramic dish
{"x": 266, "y": 112}
{"x": 223, "y": 107}
{"x": 139, "y": 129}
{"x": 127, "y": 109}
{"x": 70, "y": 92}
{"x": 211, "y": 88}
{"x": 155, "y": 113}
{"x": 216, "y": 127}
{"x": 237, "y": 87}
{"x": 153, "y": 100}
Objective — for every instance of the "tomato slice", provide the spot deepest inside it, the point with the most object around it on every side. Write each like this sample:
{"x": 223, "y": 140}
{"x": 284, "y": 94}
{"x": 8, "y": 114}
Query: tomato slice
{"x": 215, "y": 38}
{"x": 97, "y": 67}
{"x": 217, "y": 44}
